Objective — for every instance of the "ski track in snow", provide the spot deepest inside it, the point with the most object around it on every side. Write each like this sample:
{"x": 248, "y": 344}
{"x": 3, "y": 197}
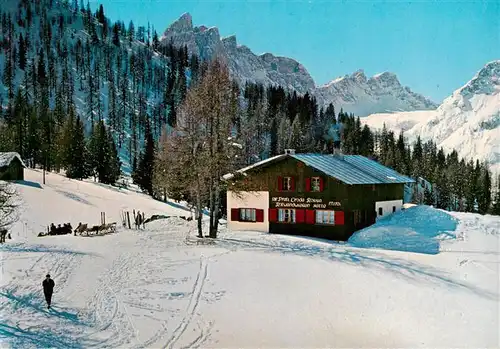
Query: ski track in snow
{"x": 193, "y": 304}
{"x": 111, "y": 324}
{"x": 26, "y": 299}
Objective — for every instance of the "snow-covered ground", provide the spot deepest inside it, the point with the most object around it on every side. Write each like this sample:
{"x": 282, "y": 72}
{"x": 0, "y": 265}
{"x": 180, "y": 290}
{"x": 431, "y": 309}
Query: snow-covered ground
{"x": 159, "y": 288}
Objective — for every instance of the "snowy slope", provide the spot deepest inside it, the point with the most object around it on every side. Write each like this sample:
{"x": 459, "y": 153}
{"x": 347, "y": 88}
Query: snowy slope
{"x": 157, "y": 289}
{"x": 354, "y": 93}
{"x": 467, "y": 121}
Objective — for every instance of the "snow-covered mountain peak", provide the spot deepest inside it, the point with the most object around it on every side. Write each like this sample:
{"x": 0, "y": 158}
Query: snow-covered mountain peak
{"x": 230, "y": 42}
{"x": 183, "y": 24}
{"x": 359, "y": 76}
{"x": 486, "y": 81}
{"x": 363, "y": 96}
{"x": 386, "y": 79}
{"x": 467, "y": 121}
{"x": 354, "y": 93}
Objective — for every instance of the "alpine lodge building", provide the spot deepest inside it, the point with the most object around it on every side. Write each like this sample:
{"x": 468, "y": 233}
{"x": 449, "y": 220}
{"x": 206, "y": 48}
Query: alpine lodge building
{"x": 322, "y": 195}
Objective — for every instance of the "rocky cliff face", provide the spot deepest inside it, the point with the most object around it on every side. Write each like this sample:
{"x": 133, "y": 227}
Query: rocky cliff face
{"x": 354, "y": 93}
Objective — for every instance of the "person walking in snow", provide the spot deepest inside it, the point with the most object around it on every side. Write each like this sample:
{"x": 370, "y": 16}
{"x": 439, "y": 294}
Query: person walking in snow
{"x": 48, "y": 287}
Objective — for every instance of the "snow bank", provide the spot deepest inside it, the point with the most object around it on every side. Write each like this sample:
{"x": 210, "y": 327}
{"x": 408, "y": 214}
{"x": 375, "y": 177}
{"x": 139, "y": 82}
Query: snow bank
{"x": 416, "y": 229}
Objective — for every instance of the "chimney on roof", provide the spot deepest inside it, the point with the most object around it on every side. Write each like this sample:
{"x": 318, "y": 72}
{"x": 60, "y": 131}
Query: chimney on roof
{"x": 290, "y": 151}
{"x": 337, "y": 150}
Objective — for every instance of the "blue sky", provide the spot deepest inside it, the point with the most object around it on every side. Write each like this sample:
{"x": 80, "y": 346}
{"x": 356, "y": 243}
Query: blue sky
{"x": 434, "y": 47}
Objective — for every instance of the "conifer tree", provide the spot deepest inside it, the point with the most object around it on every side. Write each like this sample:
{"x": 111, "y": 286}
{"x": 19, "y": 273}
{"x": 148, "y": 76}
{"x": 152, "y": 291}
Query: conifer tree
{"x": 470, "y": 191}
{"x": 417, "y": 158}
{"x": 78, "y": 157}
{"x": 496, "y": 202}
{"x": 116, "y": 35}
{"x": 284, "y": 132}
{"x": 22, "y": 52}
{"x": 296, "y": 135}
{"x": 131, "y": 32}
{"x": 143, "y": 175}
{"x": 484, "y": 190}
{"x": 114, "y": 162}
{"x": 428, "y": 197}
{"x": 103, "y": 155}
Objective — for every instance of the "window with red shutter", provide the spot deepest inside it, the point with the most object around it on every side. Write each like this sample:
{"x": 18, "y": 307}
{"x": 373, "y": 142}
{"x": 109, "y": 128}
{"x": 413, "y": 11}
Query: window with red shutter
{"x": 286, "y": 184}
{"x": 259, "y": 214}
{"x": 321, "y": 184}
{"x": 248, "y": 215}
{"x": 339, "y": 218}
{"x": 310, "y": 216}
{"x": 286, "y": 215}
{"x": 273, "y": 215}
{"x": 326, "y": 217}
{"x": 235, "y": 214}
{"x": 300, "y": 216}
{"x": 315, "y": 184}
{"x": 308, "y": 184}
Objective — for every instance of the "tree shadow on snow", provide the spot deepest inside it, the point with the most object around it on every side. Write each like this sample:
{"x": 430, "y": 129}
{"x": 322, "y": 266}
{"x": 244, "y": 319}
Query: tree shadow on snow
{"x": 29, "y": 184}
{"x": 412, "y": 271}
{"x": 74, "y": 197}
{"x": 19, "y": 248}
{"x": 36, "y": 302}
{"x": 58, "y": 328}
{"x": 42, "y": 337}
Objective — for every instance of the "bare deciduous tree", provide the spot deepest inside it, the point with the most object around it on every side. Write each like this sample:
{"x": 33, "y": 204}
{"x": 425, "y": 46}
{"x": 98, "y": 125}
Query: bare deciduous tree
{"x": 201, "y": 149}
{"x": 8, "y": 204}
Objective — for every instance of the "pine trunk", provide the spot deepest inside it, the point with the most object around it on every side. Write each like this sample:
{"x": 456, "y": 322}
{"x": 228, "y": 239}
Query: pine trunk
{"x": 199, "y": 211}
{"x": 216, "y": 212}
{"x": 212, "y": 207}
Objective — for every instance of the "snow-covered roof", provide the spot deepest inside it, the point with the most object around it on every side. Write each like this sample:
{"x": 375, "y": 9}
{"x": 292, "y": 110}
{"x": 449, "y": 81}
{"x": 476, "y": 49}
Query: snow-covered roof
{"x": 257, "y": 164}
{"x": 6, "y": 158}
{"x": 350, "y": 169}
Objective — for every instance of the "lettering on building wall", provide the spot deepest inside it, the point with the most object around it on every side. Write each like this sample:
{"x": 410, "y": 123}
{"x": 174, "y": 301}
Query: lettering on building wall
{"x": 294, "y": 202}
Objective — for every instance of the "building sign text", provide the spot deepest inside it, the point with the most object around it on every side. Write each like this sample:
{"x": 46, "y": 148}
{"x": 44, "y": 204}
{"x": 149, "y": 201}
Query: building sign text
{"x": 294, "y": 202}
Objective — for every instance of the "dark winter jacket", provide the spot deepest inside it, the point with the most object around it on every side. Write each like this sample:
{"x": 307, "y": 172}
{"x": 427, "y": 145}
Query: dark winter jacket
{"x": 48, "y": 285}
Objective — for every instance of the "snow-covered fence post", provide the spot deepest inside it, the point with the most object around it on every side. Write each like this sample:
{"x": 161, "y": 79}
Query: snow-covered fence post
{"x": 122, "y": 216}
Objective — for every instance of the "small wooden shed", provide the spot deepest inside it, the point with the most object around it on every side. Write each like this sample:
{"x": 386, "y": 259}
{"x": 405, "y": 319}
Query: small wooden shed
{"x": 11, "y": 167}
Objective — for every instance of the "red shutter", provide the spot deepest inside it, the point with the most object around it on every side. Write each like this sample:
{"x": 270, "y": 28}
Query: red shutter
{"x": 339, "y": 218}
{"x": 273, "y": 215}
{"x": 292, "y": 183}
{"x": 300, "y": 216}
{"x": 308, "y": 184}
{"x": 321, "y": 184}
{"x": 310, "y": 216}
{"x": 235, "y": 214}
{"x": 280, "y": 183}
{"x": 259, "y": 215}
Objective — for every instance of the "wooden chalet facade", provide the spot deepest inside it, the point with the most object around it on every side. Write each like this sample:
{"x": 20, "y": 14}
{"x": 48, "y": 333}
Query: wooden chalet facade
{"x": 327, "y": 196}
{"x": 11, "y": 167}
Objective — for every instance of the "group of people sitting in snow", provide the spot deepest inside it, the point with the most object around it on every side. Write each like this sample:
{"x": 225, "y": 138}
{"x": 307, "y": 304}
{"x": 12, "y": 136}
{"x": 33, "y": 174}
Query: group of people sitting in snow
{"x": 66, "y": 228}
